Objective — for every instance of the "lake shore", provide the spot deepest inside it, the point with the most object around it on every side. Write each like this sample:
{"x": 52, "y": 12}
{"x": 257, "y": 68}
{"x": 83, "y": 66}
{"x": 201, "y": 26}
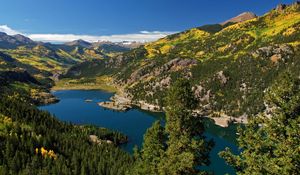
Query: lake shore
{"x": 101, "y": 83}
{"x": 133, "y": 123}
{"x": 121, "y": 103}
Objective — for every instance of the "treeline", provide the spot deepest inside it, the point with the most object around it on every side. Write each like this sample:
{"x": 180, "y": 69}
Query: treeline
{"x": 34, "y": 142}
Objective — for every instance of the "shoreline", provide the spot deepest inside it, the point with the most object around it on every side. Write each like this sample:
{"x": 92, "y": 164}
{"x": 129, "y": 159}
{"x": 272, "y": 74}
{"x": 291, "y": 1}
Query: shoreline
{"x": 80, "y": 88}
{"x": 119, "y": 102}
{"x": 102, "y": 83}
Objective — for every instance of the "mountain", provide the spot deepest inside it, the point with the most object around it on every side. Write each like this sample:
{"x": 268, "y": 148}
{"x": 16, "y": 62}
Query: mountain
{"x": 127, "y": 45}
{"x": 106, "y": 47}
{"x": 24, "y": 40}
{"x": 50, "y": 58}
{"x": 115, "y": 47}
{"x": 230, "y": 66}
{"x": 79, "y": 42}
{"x": 240, "y": 18}
{"x": 12, "y": 42}
{"x": 46, "y": 59}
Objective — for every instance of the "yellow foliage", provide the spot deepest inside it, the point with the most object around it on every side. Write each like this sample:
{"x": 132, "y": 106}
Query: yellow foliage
{"x": 5, "y": 120}
{"x": 281, "y": 22}
{"x": 224, "y": 48}
{"x": 45, "y": 153}
{"x": 200, "y": 54}
{"x": 152, "y": 52}
{"x": 52, "y": 154}
{"x": 165, "y": 49}
{"x": 289, "y": 31}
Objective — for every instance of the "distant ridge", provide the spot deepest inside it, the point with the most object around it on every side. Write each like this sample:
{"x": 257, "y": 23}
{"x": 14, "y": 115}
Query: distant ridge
{"x": 79, "y": 42}
{"x": 240, "y": 18}
{"x": 13, "y": 41}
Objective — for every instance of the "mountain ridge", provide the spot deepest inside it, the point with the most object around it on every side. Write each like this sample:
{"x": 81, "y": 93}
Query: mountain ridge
{"x": 240, "y": 18}
{"x": 217, "y": 60}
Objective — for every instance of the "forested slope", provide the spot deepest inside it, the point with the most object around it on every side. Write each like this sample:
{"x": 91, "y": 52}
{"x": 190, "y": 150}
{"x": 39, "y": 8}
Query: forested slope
{"x": 229, "y": 65}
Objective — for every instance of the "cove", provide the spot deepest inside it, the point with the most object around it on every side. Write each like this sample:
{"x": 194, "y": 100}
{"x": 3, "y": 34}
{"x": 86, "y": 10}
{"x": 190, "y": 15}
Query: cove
{"x": 134, "y": 123}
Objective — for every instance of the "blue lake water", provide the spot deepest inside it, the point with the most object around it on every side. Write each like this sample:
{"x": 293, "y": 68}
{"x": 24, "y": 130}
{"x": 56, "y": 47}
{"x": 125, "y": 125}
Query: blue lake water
{"x": 134, "y": 123}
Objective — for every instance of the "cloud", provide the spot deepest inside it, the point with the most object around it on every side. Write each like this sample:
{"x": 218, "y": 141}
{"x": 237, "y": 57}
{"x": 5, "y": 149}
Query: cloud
{"x": 8, "y": 30}
{"x": 142, "y": 36}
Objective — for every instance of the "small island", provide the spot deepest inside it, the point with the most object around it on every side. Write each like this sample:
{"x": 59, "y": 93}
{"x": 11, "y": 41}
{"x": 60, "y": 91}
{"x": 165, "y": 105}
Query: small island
{"x": 115, "y": 106}
{"x": 88, "y": 100}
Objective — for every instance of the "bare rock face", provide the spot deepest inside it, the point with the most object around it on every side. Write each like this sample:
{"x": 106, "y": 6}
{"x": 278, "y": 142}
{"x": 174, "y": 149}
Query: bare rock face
{"x": 181, "y": 62}
{"x": 201, "y": 94}
{"x": 240, "y": 18}
{"x": 275, "y": 53}
{"x": 166, "y": 82}
{"x": 176, "y": 64}
{"x": 119, "y": 61}
{"x": 173, "y": 65}
{"x": 223, "y": 79}
{"x": 280, "y": 7}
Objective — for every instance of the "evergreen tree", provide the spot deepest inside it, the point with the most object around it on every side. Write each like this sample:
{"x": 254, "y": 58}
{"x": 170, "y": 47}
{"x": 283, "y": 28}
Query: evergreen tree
{"x": 26, "y": 130}
{"x": 152, "y": 152}
{"x": 181, "y": 148}
{"x": 187, "y": 148}
{"x": 270, "y": 142}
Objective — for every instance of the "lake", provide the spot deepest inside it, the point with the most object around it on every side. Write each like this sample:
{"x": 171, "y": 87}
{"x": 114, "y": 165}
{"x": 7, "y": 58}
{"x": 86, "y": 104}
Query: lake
{"x": 134, "y": 123}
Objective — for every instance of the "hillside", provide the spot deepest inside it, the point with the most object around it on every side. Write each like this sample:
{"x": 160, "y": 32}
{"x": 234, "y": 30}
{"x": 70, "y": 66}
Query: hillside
{"x": 44, "y": 60}
{"x": 34, "y": 142}
{"x": 230, "y": 66}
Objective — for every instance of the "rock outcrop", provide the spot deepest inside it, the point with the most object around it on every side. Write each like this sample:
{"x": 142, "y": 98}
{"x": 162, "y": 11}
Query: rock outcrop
{"x": 240, "y": 18}
{"x": 275, "y": 53}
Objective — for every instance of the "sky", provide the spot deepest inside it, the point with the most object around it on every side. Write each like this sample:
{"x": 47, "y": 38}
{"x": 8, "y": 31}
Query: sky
{"x": 118, "y": 20}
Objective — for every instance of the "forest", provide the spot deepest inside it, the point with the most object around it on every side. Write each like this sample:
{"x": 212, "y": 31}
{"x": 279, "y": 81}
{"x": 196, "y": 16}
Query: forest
{"x": 34, "y": 142}
{"x": 248, "y": 68}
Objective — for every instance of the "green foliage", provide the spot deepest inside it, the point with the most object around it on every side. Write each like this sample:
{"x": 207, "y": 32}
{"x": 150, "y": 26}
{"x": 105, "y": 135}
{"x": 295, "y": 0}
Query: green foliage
{"x": 248, "y": 54}
{"x": 187, "y": 147}
{"x": 148, "y": 159}
{"x": 23, "y": 128}
{"x": 270, "y": 142}
{"x": 180, "y": 148}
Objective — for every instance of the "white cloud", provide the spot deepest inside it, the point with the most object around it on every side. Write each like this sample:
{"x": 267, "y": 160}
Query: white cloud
{"x": 8, "y": 30}
{"x": 142, "y": 36}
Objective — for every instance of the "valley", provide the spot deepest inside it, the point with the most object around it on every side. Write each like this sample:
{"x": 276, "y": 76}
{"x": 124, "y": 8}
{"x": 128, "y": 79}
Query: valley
{"x": 229, "y": 65}
{"x": 218, "y": 98}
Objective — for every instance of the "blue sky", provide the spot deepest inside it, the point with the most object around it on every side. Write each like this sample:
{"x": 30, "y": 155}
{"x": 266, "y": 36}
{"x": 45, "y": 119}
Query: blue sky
{"x": 118, "y": 19}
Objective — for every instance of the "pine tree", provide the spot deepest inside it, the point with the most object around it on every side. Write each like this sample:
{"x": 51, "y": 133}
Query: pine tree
{"x": 270, "y": 142}
{"x": 187, "y": 147}
{"x": 152, "y": 152}
{"x": 180, "y": 148}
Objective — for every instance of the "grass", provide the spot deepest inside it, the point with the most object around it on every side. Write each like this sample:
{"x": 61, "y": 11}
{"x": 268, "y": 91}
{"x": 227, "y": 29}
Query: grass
{"x": 98, "y": 83}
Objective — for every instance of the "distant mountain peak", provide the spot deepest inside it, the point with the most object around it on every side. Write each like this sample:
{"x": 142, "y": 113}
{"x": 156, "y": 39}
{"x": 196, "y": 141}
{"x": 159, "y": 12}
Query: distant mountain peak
{"x": 2, "y": 33}
{"x": 13, "y": 41}
{"x": 240, "y": 18}
{"x": 78, "y": 42}
{"x": 23, "y": 39}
